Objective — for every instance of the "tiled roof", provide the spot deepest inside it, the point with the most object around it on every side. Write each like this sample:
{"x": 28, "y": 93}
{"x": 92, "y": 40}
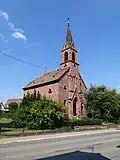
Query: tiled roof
{"x": 13, "y": 101}
{"x": 46, "y": 78}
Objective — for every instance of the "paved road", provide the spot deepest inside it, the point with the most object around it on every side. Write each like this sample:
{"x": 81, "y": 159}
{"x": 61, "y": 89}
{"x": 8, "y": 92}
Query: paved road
{"x": 104, "y": 143}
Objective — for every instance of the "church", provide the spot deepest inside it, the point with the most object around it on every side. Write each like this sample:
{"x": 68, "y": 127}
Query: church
{"x": 64, "y": 85}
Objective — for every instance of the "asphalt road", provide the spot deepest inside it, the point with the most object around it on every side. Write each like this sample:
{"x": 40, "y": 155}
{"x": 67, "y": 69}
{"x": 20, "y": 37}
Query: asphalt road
{"x": 107, "y": 144}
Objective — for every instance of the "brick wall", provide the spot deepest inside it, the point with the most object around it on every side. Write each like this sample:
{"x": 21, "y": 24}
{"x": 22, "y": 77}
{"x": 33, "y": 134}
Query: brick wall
{"x": 44, "y": 91}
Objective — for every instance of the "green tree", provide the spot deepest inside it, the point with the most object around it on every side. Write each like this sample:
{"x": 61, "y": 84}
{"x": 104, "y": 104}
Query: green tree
{"x": 103, "y": 103}
{"x": 39, "y": 113}
{"x": 46, "y": 113}
{"x": 22, "y": 117}
{"x": 12, "y": 109}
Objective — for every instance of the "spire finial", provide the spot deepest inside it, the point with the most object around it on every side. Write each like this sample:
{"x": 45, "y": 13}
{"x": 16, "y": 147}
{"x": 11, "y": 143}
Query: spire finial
{"x": 68, "y": 22}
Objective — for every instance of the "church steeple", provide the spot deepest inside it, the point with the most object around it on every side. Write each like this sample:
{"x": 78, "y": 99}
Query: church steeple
{"x": 69, "y": 39}
{"x": 69, "y": 57}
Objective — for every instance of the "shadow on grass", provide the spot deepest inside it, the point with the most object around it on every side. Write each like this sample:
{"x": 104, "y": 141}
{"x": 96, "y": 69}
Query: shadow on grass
{"x": 77, "y": 156}
{"x": 5, "y": 130}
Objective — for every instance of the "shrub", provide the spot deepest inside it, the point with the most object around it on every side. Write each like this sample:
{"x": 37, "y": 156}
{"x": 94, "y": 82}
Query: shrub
{"x": 85, "y": 121}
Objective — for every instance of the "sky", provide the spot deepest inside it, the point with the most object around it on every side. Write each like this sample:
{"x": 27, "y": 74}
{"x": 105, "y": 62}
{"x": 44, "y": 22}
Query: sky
{"x": 34, "y": 31}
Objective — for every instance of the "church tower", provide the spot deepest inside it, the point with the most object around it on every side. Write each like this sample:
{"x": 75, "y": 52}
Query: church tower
{"x": 75, "y": 87}
{"x": 69, "y": 57}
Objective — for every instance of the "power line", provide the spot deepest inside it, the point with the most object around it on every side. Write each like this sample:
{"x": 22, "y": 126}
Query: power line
{"x": 22, "y": 61}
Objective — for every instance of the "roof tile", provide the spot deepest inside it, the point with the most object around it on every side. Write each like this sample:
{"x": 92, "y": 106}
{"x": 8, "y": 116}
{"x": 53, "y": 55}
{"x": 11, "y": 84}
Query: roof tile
{"x": 48, "y": 77}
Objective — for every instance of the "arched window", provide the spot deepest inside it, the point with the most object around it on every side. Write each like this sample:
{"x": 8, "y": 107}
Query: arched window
{"x": 73, "y": 56}
{"x": 74, "y": 106}
{"x": 66, "y": 56}
{"x": 65, "y": 87}
{"x": 82, "y": 105}
{"x": 65, "y": 102}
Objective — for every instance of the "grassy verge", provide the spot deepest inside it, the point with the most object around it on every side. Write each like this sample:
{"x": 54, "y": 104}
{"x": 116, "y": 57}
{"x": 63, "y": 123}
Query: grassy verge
{"x": 16, "y": 132}
{"x": 11, "y": 132}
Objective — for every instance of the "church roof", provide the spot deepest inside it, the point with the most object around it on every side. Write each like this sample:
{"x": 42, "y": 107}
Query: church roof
{"x": 49, "y": 77}
{"x": 83, "y": 81}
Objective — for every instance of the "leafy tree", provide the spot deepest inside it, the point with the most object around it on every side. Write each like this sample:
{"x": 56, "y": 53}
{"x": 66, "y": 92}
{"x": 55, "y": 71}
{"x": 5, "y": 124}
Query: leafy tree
{"x": 103, "y": 103}
{"x": 36, "y": 112}
{"x": 45, "y": 113}
{"x": 13, "y": 107}
{"x": 21, "y": 117}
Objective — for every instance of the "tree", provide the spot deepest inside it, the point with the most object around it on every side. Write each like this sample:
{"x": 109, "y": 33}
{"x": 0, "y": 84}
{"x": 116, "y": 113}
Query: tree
{"x": 45, "y": 114}
{"x": 103, "y": 103}
{"x": 12, "y": 109}
{"x": 21, "y": 117}
{"x": 36, "y": 112}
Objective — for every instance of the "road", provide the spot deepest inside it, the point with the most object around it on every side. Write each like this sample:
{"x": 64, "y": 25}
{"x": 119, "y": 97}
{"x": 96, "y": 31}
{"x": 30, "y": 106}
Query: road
{"x": 104, "y": 143}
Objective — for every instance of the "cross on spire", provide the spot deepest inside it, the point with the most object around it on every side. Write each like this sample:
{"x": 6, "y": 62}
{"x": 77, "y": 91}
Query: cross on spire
{"x": 68, "y": 22}
{"x": 69, "y": 39}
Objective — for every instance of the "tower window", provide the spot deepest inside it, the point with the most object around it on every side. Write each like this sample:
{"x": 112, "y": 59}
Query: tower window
{"x": 73, "y": 56}
{"x": 66, "y": 56}
{"x": 49, "y": 91}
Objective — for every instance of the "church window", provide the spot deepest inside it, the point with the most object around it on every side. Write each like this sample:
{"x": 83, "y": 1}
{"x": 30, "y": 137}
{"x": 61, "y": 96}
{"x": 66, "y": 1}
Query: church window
{"x": 66, "y": 56}
{"x": 82, "y": 109}
{"x": 74, "y": 78}
{"x": 74, "y": 106}
{"x": 49, "y": 91}
{"x": 65, "y": 102}
{"x": 65, "y": 87}
{"x": 73, "y": 56}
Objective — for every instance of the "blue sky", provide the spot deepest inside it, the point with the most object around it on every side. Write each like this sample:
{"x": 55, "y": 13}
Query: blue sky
{"x": 35, "y": 32}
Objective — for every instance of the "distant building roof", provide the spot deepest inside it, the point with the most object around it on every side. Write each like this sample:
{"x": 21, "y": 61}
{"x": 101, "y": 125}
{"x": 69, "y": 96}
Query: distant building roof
{"x": 49, "y": 77}
{"x": 18, "y": 101}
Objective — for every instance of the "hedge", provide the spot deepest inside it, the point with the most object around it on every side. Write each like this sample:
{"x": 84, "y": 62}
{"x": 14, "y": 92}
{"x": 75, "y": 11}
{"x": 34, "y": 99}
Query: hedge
{"x": 85, "y": 121}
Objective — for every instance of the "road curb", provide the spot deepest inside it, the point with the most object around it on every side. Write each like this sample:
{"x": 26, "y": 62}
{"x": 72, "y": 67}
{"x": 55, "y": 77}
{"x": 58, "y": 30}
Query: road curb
{"x": 62, "y": 135}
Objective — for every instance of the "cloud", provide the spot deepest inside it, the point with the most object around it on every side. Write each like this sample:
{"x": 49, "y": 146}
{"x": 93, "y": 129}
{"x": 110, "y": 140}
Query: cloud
{"x": 3, "y": 38}
{"x": 17, "y": 33}
{"x": 14, "y": 29}
{"x": 5, "y": 15}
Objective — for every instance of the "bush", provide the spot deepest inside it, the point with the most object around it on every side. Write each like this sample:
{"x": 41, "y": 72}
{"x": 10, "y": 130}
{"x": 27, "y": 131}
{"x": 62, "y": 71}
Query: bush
{"x": 85, "y": 121}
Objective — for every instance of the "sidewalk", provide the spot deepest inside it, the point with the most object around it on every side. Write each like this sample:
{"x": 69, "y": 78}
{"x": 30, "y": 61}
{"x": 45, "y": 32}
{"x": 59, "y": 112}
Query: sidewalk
{"x": 56, "y": 135}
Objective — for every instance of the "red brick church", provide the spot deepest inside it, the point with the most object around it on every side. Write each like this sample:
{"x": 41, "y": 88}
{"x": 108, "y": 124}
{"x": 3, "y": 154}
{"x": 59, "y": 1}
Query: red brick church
{"x": 64, "y": 85}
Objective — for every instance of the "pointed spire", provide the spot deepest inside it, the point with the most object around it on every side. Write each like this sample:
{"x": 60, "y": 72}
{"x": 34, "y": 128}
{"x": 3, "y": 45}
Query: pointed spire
{"x": 69, "y": 39}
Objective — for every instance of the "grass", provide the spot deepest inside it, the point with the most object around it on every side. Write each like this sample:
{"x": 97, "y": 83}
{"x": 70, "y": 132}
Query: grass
{"x": 19, "y": 131}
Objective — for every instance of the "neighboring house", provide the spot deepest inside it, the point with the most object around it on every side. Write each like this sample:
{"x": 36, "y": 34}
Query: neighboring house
{"x": 18, "y": 101}
{"x": 2, "y": 107}
{"x": 64, "y": 85}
